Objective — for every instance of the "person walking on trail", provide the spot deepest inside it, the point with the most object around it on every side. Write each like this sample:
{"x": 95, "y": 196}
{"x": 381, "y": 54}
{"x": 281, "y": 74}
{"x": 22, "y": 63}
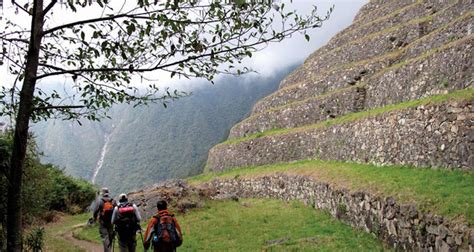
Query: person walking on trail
{"x": 163, "y": 230}
{"x": 126, "y": 219}
{"x": 103, "y": 209}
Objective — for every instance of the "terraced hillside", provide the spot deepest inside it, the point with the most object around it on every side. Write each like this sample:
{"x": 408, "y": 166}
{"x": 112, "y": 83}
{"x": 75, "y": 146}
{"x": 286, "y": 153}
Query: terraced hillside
{"x": 394, "y": 92}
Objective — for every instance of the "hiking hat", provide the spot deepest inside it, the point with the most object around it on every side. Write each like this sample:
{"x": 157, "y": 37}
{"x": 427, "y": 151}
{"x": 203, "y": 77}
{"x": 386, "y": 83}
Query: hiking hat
{"x": 123, "y": 197}
{"x": 104, "y": 190}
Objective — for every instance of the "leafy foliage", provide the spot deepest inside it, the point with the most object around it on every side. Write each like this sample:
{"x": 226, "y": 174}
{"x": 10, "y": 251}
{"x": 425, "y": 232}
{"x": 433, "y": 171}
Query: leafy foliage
{"x": 46, "y": 188}
{"x": 107, "y": 55}
{"x": 35, "y": 240}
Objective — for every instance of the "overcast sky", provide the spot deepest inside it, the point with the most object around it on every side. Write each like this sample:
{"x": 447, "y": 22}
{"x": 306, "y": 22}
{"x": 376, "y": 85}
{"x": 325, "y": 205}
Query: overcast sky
{"x": 273, "y": 58}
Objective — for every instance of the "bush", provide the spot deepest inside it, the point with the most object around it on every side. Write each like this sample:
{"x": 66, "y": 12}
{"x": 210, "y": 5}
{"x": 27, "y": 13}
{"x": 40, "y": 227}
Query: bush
{"x": 34, "y": 240}
{"x": 45, "y": 188}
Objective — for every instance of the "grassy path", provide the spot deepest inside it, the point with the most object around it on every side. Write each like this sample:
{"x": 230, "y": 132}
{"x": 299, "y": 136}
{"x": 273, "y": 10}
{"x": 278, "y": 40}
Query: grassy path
{"x": 262, "y": 225}
{"x": 60, "y": 236}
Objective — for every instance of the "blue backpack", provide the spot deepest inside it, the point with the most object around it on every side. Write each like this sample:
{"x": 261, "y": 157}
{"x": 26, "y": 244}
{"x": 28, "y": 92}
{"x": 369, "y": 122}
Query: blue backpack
{"x": 166, "y": 232}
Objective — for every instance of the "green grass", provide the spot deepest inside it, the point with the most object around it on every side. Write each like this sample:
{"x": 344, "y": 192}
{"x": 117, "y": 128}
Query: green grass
{"x": 448, "y": 193}
{"x": 436, "y": 99}
{"x": 54, "y": 240}
{"x": 250, "y": 225}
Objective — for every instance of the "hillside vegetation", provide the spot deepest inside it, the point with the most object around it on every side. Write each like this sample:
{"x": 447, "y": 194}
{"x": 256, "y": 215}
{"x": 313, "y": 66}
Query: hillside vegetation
{"x": 46, "y": 190}
{"x": 150, "y": 144}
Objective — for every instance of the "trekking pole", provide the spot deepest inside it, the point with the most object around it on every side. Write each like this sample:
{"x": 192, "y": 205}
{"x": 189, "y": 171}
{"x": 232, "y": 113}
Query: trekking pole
{"x": 143, "y": 241}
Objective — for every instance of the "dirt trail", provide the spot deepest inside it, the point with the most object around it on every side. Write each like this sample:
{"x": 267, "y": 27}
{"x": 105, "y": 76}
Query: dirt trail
{"x": 87, "y": 245}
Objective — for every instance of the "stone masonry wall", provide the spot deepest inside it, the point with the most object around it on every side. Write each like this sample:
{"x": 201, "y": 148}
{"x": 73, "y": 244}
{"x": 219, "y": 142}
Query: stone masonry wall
{"x": 357, "y": 31}
{"x": 447, "y": 70}
{"x": 439, "y": 135}
{"x": 353, "y": 73}
{"x": 400, "y": 226}
{"x": 310, "y": 111}
{"x": 379, "y": 8}
{"x": 377, "y": 42}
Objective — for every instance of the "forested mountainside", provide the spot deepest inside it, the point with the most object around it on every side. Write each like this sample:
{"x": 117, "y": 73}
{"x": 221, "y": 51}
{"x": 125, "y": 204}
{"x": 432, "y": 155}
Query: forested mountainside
{"x": 149, "y": 144}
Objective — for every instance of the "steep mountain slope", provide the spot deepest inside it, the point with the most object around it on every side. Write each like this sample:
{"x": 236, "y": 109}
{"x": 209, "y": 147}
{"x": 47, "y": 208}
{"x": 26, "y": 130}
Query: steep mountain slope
{"x": 141, "y": 146}
{"x": 394, "y": 88}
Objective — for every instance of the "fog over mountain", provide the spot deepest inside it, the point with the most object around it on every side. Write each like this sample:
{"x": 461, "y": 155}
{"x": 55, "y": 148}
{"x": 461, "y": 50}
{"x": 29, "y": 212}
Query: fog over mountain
{"x": 142, "y": 146}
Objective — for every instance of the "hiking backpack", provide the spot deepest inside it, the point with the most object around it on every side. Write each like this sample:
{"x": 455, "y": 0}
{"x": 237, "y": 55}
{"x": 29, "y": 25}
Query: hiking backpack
{"x": 126, "y": 223}
{"x": 107, "y": 210}
{"x": 165, "y": 232}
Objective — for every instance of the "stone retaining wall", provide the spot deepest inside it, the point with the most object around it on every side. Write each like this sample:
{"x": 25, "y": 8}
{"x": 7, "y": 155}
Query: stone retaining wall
{"x": 379, "y": 8}
{"x": 400, "y": 226}
{"x": 301, "y": 113}
{"x": 357, "y": 31}
{"x": 439, "y": 135}
{"x": 353, "y": 73}
{"x": 400, "y": 16}
{"x": 448, "y": 70}
{"x": 376, "y": 44}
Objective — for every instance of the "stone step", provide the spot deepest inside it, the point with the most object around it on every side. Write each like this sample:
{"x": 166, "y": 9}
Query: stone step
{"x": 359, "y": 30}
{"x": 376, "y": 44}
{"x": 349, "y": 74}
{"x": 436, "y": 72}
{"x": 432, "y": 132}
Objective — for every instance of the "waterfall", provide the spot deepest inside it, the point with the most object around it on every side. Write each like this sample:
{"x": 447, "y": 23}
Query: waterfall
{"x": 100, "y": 162}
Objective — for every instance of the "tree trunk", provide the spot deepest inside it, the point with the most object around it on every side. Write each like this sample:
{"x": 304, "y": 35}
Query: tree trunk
{"x": 20, "y": 141}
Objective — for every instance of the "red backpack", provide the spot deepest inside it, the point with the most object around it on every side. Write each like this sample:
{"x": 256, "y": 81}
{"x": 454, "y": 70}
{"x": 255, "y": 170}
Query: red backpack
{"x": 126, "y": 224}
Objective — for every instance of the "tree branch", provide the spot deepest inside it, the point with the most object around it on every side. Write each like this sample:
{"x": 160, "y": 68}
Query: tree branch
{"x": 59, "y": 107}
{"x": 50, "y": 5}
{"x": 21, "y": 7}
{"x": 159, "y": 67}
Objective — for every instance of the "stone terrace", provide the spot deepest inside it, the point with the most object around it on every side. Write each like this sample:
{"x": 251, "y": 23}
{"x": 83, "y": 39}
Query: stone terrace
{"x": 394, "y": 88}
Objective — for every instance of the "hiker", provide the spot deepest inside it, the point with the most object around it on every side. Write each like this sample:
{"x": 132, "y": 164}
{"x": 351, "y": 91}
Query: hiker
{"x": 103, "y": 209}
{"x": 126, "y": 219}
{"x": 163, "y": 230}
